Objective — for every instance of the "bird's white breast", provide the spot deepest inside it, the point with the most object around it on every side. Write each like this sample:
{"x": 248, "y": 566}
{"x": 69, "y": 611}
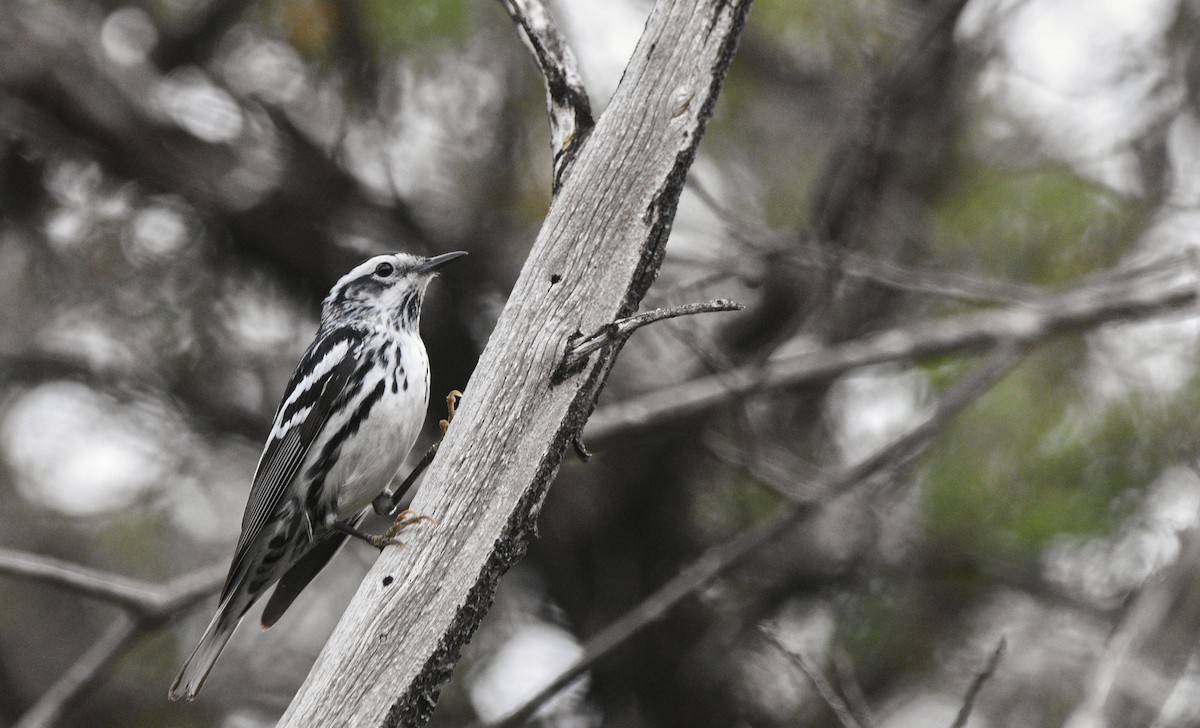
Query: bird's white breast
{"x": 370, "y": 460}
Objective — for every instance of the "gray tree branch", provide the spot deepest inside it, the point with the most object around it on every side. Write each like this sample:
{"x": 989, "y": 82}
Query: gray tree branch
{"x": 129, "y": 593}
{"x": 566, "y": 98}
{"x": 596, "y": 255}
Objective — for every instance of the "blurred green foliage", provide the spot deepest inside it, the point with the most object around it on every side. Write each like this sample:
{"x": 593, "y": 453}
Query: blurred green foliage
{"x": 1042, "y": 223}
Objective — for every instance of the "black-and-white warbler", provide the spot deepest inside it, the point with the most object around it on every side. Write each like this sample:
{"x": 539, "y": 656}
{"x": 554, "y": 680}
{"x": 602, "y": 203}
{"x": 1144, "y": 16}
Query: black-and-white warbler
{"x": 349, "y": 416}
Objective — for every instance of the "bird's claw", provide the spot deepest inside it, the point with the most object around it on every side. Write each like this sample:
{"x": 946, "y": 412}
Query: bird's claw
{"x": 406, "y": 518}
{"x": 452, "y": 401}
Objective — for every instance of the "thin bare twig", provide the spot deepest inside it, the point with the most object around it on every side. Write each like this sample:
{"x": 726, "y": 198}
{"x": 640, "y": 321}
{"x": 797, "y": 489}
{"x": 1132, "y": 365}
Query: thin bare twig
{"x": 843, "y": 669}
{"x": 824, "y": 688}
{"x": 721, "y": 558}
{"x": 579, "y": 349}
{"x": 84, "y": 675}
{"x": 566, "y": 98}
{"x": 973, "y": 691}
{"x": 1078, "y": 309}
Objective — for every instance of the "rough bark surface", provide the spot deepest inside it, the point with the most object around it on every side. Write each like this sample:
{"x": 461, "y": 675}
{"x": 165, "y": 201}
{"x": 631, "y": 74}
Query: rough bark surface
{"x": 596, "y": 255}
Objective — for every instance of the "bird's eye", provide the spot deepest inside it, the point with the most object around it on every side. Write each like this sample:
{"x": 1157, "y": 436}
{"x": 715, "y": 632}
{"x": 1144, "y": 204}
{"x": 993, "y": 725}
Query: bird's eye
{"x": 383, "y": 270}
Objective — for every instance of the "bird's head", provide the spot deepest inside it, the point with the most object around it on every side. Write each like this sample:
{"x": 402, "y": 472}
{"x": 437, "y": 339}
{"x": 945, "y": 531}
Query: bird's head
{"x": 387, "y": 289}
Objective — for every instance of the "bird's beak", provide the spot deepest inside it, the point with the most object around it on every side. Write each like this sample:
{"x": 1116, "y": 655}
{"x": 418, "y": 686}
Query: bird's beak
{"x": 432, "y": 264}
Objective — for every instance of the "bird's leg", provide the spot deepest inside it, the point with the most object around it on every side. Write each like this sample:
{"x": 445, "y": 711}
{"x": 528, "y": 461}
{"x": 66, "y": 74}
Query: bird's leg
{"x": 356, "y": 532}
{"x": 385, "y": 503}
{"x": 388, "y": 538}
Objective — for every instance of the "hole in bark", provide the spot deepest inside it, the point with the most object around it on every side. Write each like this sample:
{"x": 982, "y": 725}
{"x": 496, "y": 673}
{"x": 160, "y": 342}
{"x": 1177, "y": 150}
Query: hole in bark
{"x": 387, "y": 581}
{"x": 555, "y": 278}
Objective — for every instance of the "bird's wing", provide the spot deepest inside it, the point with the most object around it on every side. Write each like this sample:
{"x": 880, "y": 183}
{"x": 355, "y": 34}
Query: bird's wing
{"x": 296, "y": 578}
{"x": 311, "y": 396}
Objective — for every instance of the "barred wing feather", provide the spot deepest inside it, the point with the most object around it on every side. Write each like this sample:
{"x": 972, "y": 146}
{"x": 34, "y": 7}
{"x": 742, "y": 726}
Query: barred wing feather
{"x": 311, "y": 396}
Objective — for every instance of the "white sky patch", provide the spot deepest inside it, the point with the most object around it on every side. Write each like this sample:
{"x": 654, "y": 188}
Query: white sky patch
{"x": 199, "y": 106}
{"x": 71, "y": 449}
{"x": 77, "y": 333}
{"x": 603, "y": 36}
{"x": 259, "y": 321}
{"x": 1082, "y": 73}
{"x": 768, "y": 676}
{"x": 270, "y": 69}
{"x": 1104, "y": 569}
{"x": 872, "y": 406}
{"x": 1156, "y": 356}
{"x": 920, "y": 711}
{"x": 526, "y": 663}
{"x": 1183, "y": 144}
{"x": 443, "y": 123}
{"x": 156, "y": 232}
{"x": 128, "y": 35}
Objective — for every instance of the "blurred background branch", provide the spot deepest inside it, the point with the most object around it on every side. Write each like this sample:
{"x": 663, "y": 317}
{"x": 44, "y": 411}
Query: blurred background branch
{"x": 724, "y": 557}
{"x": 145, "y": 607}
{"x": 1113, "y": 297}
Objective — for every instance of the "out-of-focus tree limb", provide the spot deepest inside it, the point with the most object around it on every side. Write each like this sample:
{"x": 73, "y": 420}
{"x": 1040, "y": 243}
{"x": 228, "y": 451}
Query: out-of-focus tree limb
{"x": 1078, "y": 309}
{"x": 848, "y": 685}
{"x": 145, "y": 607}
{"x": 149, "y": 602}
{"x": 1150, "y": 650}
{"x": 954, "y": 285}
{"x": 721, "y": 558}
{"x": 566, "y": 98}
{"x": 909, "y": 107}
{"x": 120, "y": 590}
{"x": 88, "y": 671}
{"x": 781, "y": 248}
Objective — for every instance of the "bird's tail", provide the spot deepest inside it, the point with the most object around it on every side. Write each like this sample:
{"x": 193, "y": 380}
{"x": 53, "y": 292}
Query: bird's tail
{"x": 191, "y": 678}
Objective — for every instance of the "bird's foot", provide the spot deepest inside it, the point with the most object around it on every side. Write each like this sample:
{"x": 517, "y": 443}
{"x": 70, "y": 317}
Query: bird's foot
{"x": 452, "y": 401}
{"x": 406, "y": 518}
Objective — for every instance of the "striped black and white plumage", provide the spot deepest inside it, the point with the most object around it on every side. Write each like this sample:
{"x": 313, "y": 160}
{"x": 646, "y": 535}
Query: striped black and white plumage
{"x": 349, "y": 416}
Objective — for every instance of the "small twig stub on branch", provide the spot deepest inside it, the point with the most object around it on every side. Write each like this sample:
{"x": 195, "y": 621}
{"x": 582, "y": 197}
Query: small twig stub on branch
{"x": 579, "y": 347}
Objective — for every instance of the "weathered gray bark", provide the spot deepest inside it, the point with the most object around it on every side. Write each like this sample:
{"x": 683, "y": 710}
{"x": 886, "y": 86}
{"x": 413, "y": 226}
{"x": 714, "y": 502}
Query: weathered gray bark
{"x": 596, "y": 255}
